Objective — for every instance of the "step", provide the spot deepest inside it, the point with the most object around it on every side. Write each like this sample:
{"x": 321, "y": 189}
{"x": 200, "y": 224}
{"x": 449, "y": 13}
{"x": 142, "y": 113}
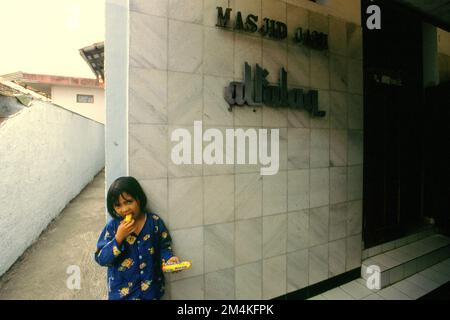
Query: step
{"x": 388, "y": 246}
{"x": 404, "y": 261}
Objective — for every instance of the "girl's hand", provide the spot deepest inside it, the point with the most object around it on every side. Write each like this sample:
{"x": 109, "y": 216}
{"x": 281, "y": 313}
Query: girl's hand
{"x": 124, "y": 230}
{"x": 173, "y": 260}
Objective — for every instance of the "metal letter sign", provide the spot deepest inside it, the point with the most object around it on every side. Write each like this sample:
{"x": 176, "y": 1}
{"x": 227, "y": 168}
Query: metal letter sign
{"x": 257, "y": 91}
{"x": 270, "y": 28}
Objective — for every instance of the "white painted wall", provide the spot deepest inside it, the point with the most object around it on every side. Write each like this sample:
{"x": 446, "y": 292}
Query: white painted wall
{"x": 116, "y": 64}
{"x": 67, "y": 98}
{"x": 47, "y": 156}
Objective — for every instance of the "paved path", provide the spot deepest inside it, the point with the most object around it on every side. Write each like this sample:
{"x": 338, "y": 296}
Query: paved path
{"x": 41, "y": 272}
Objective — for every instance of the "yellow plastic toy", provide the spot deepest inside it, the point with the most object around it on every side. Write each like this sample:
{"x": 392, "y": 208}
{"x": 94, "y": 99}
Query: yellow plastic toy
{"x": 128, "y": 217}
{"x": 176, "y": 267}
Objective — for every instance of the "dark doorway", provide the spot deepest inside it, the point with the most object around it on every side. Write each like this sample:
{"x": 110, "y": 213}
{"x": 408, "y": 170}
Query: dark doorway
{"x": 393, "y": 125}
{"x": 436, "y": 162}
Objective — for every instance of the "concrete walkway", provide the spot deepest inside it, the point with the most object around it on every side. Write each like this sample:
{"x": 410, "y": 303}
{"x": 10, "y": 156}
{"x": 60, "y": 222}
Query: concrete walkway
{"x": 69, "y": 240}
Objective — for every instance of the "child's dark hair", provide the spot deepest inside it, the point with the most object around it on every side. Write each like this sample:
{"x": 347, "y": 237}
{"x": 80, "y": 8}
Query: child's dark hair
{"x": 124, "y": 184}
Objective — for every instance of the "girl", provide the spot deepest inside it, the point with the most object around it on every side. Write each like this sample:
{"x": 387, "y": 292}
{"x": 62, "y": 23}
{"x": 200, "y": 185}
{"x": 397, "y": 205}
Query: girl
{"x": 133, "y": 251}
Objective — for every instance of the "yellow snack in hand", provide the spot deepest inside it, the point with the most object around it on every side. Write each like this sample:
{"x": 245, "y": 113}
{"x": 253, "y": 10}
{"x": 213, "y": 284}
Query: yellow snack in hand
{"x": 128, "y": 217}
{"x": 177, "y": 267}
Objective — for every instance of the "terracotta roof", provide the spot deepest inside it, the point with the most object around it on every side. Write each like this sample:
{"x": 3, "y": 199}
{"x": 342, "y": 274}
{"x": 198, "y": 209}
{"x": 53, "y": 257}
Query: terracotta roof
{"x": 30, "y": 78}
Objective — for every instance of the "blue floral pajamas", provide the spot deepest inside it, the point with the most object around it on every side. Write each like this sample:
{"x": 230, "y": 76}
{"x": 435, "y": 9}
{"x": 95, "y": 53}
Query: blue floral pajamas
{"x": 134, "y": 268}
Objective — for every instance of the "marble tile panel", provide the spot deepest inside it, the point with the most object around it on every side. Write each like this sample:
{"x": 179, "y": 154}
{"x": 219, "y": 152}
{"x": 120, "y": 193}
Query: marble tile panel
{"x": 298, "y": 190}
{"x": 148, "y": 41}
{"x": 338, "y": 112}
{"x": 355, "y": 147}
{"x": 337, "y": 38}
{"x": 248, "y": 281}
{"x": 298, "y": 148}
{"x": 338, "y": 148}
{"x": 188, "y": 244}
{"x": 188, "y": 169}
{"x": 244, "y": 151}
{"x": 218, "y": 53}
{"x": 338, "y": 73}
{"x": 151, "y": 7}
{"x": 275, "y": 193}
{"x": 355, "y": 112}
{"x": 318, "y": 226}
{"x": 274, "y": 55}
{"x": 354, "y": 217}
{"x": 354, "y": 252}
{"x": 186, "y": 10}
{"x": 319, "y": 187}
{"x": 274, "y": 277}
{"x": 354, "y": 41}
{"x": 320, "y": 70}
{"x": 248, "y": 116}
{"x": 274, "y": 9}
{"x": 248, "y": 196}
{"x": 185, "y": 90}
{"x": 297, "y": 17}
{"x": 338, "y": 185}
{"x": 318, "y": 22}
{"x": 355, "y": 76}
{"x": 247, "y": 7}
{"x": 324, "y": 105}
{"x": 274, "y": 117}
{"x": 210, "y": 10}
{"x": 185, "y": 202}
{"x": 156, "y": 192}
{"x": 219, "y": 199}
{"x": 297, "y": 270}
{"x": 247, "y": 49}
{"x": 147, "y": 96}
{"x": 219, "y": 247}
{"x": 185, "y": 47}
{"x": 188, "y": 289}
{"x": 274, "y": 235}
{"x": 219, "y": 285}
{"x": 248, "y": 246}
{"x": 298, "y": 66}
{"x": 355, "y": 182}
{"x": 298, "y": 230}
{"x": 318, "y": 264}
{"x": 298, "y": 118}
{"x": 228, "y": 152}
{"x": 215, "y": 110}
{"x": 338, "y": 221}
{"x": 320, "y": 148}
{"x": 148, "y": 157}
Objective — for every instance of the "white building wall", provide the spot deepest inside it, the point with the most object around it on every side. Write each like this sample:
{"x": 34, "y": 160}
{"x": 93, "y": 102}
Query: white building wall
{"x": 67, "y": 98}
{"x": 116, "y": 64}
{"x": 249, "y": 236}
{"x": 47, "y": 156}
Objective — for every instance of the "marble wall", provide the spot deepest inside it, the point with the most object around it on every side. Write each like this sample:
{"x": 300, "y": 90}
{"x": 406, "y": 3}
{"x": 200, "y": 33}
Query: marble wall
{"x": 249, "y": 236}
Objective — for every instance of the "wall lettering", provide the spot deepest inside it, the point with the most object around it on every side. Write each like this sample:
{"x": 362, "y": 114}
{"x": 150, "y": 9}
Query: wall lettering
{"x": 256, "y": 91}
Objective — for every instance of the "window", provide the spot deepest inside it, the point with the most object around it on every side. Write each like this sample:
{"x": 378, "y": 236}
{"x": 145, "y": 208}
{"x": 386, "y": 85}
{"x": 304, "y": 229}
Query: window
{"x": 85, "y": 98}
